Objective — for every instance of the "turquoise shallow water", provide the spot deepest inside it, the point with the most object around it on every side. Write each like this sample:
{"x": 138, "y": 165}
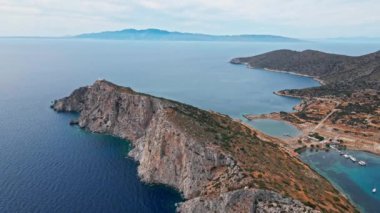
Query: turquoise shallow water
{"x": 48, "y": 166}
{"x": 275, "y": 128}
{"x": 354, "y": 180}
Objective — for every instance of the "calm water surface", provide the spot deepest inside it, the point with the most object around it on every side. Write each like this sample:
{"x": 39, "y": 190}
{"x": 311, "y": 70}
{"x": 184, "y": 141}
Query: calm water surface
{"x": 275, "y": 128}
{"x": 48, "y": 166}
{"x": 354, "y": 180}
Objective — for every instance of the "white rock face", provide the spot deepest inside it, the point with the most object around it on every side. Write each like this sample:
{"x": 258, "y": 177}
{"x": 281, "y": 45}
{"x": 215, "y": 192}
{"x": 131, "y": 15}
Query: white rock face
{"x": 166, "y": 152}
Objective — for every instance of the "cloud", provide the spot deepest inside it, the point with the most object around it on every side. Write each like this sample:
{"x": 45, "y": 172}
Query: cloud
{"x": 299, "y": 18}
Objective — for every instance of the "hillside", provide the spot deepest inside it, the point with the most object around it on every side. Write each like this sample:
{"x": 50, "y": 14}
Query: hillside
{"x": 340, "y": 73}
{"x": 218, "y": 164}
{"x": 157, "y": 34}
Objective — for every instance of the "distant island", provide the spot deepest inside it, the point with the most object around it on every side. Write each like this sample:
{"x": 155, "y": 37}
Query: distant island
{"x": 219, "y": 164}
{"x": 345, "y": 109}
{"x": 158, "y": 34}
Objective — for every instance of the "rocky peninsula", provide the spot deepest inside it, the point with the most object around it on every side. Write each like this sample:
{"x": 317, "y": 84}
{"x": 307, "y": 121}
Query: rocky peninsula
{"x": 217, "y": 163}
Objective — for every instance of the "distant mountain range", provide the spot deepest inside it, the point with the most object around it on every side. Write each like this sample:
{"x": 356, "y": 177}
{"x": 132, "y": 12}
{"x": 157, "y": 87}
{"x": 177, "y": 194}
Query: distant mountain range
{"x": 157, "y": 34}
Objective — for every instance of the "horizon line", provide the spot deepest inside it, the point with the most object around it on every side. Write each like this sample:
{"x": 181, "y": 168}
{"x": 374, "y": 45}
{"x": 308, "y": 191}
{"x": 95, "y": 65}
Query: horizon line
{"x": 196, "y": 33}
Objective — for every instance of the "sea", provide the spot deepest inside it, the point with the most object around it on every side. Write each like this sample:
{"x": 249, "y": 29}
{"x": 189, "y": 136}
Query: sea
{"x": 355, "y": 181}
{"x": 47, "y": 165}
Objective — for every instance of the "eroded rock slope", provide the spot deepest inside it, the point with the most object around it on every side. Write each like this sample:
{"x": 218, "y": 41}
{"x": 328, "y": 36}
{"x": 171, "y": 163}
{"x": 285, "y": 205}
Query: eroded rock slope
{"x": 218, "y": 164}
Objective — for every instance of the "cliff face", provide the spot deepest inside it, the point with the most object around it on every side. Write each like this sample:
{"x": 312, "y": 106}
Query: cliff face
{"x": 202, "y": 154}
{"x": 167, "y": 153}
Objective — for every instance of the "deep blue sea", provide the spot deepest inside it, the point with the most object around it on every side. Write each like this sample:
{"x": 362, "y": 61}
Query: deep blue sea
{"x": 48, "y": 166}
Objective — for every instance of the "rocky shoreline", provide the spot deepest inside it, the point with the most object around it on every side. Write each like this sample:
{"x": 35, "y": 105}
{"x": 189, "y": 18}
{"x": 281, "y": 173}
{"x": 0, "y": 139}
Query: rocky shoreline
{"x": 217, "y": 163}
{"x": 350, "y": 72}
{"x": 249, "y": 66}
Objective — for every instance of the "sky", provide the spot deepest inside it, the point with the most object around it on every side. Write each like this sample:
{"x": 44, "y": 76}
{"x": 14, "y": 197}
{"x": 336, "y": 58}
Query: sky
{"x": 294, "y": 18}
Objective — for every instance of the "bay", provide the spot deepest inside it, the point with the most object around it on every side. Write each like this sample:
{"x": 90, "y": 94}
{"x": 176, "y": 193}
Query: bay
{"x": 47, "y": 165}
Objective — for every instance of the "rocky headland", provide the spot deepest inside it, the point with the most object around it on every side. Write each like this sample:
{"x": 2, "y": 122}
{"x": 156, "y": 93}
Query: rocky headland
{"x": 217, "y": 163}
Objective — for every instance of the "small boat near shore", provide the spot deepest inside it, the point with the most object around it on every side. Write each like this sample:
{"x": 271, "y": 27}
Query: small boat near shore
{"x": 352, "y": 158}
{"x": 374, "y": 190}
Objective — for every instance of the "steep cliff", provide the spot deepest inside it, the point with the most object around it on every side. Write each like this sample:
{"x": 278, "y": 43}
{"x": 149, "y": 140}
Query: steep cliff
{"x": 216, "y": 162}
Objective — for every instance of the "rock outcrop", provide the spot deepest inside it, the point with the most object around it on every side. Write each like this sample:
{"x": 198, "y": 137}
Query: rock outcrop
{"x": 245, "y": 200}
{"x": 217, "y": 163}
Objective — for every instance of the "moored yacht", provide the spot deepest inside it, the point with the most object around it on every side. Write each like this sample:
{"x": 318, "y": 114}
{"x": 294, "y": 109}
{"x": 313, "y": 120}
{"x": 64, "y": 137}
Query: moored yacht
{"x": 362, "y": 163}
{"x": 352, "y": 158}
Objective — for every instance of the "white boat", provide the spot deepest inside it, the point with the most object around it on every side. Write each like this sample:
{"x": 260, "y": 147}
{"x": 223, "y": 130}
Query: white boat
{"x": 353, "y": 159}
{"x": 362, "y": 163}
{"x": 374, "y": 190}
{"x": 345, "y": 156}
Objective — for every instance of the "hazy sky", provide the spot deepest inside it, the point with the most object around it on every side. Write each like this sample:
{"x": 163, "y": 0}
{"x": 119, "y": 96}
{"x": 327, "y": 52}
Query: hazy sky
{"x": 297, "y": 18}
